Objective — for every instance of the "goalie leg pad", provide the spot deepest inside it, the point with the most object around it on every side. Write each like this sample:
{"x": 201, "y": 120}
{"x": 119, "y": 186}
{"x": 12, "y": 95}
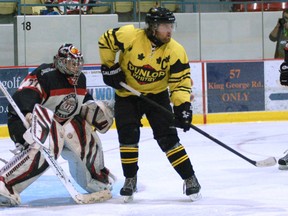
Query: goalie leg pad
{"x": 27, "y": 166}
{"x": 6, "y": 197}
{"x": 21, "y": 171}
{"x": 84, "y": 153}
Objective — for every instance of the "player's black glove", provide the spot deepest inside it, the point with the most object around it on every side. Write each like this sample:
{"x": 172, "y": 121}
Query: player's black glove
{"x": 113, "y": 76}
{"x": 281, "y": 22}
{"x": 284, "y": 74}
{"x": 183, "y": 116}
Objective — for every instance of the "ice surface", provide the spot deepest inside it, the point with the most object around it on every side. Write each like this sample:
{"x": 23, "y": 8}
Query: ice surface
{"x": 230, "y": 185}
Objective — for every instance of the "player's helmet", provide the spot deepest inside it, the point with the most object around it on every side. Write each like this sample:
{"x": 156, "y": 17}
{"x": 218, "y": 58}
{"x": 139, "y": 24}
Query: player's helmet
{"x": 159, "y": 15}
{"x": 69, "y": 60}
{"x": 153, "y": 19}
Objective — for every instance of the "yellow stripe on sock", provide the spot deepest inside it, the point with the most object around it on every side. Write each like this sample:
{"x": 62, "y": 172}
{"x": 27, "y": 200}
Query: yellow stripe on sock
{"x": 180, "y": 160}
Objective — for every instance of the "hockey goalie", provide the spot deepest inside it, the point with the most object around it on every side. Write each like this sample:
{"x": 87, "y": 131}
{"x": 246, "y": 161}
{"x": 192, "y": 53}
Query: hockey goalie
{"x": 60, "y": 87}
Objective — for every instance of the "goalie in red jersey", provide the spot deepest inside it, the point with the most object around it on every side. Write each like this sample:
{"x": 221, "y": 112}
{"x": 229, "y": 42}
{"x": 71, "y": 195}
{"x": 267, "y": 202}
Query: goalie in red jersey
{"x": 61, "y": 87}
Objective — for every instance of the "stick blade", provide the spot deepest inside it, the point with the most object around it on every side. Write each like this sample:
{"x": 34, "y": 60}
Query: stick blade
{"x": 94, "y": 197}
{"x": 271, "y": 161}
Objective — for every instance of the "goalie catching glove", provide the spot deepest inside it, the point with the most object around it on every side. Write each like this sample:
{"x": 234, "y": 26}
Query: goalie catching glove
{"x": 183, "y": 116}
{"x": 113, "y": 76}
{"x": 284, "y": 74}
{"x": 98, "y": 114}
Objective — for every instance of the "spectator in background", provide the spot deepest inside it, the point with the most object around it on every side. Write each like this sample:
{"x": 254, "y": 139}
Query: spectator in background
{"x": 71, "y": 6}
{"x": 280, "y": 34}
{"x": 50, "y": 9}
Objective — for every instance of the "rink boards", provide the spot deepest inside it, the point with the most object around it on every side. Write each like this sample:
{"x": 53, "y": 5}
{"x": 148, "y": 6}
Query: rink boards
{"x": 234, "y": 91}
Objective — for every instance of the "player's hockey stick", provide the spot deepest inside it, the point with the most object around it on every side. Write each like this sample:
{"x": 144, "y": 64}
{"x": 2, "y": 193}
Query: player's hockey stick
{"x": 271, "y": 161}
{"x": 64, "y": 178}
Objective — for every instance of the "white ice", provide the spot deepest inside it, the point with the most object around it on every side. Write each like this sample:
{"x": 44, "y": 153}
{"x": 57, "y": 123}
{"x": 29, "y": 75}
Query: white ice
{"x": 230, "y": 185}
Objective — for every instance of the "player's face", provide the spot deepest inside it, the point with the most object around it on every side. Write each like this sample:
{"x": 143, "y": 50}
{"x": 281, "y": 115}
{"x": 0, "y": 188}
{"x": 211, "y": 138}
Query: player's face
{"x": 74, "y": 65}
{"x": 164, "y": 32}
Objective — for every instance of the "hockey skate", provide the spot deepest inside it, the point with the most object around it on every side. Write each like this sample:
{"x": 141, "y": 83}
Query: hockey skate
{"x": 6, "y": 198}
{"x": 283, "y": 162}
{"x": 191, "y": 188}
{"x": 128, "y": 189}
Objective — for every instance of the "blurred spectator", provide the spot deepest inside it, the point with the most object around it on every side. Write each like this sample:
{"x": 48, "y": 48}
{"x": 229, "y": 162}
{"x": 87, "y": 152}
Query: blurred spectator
{"x": 92, "y": 2}
{"x": 280, "y": 34}
{"x": 50, "y": 9}
{"x": 71, "y": 6}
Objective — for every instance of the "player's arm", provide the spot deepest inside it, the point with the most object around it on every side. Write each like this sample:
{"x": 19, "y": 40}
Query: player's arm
{"x": 27, "y": 95}
{"x": 112, "y": 41}
{"x": 180, "y": 89}
{"x": 180, "y": 78}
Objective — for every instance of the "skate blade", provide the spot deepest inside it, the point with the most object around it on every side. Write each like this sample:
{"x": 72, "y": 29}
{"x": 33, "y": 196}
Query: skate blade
{"x": 128, "y": 199}
{"x": 283, "y": 167}
{"x": 195, "y": 197}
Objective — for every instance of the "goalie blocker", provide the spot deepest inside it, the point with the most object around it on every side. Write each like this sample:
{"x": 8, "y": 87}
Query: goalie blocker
{"x": 74, "y": 141}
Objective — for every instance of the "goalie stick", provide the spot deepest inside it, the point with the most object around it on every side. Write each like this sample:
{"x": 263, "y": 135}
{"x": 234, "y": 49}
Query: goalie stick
{"x": 271, "y": 161}
{"x": 59, "y": 172}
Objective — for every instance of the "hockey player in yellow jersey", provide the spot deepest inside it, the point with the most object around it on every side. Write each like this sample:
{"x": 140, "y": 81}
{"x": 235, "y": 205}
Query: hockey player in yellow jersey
{"x": 154, "y": 64}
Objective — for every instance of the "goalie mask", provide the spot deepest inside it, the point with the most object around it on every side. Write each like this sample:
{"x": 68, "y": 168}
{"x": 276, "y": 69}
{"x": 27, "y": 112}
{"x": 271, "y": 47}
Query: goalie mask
{"x": 69, "y": 61}
{"x": 158, "y": 20}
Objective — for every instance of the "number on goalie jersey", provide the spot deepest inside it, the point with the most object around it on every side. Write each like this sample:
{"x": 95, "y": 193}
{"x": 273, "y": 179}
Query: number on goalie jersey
{"x": 60, "y": 87}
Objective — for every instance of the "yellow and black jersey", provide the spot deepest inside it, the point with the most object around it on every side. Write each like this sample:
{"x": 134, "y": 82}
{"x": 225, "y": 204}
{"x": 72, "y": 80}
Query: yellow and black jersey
{"x": 147, "y": 69}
